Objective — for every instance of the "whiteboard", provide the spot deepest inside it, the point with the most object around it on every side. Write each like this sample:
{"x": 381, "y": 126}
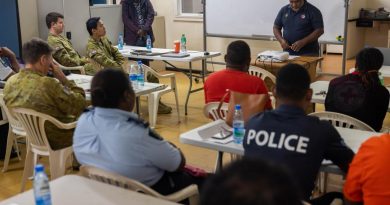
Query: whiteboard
{"x": 255, "y": 18}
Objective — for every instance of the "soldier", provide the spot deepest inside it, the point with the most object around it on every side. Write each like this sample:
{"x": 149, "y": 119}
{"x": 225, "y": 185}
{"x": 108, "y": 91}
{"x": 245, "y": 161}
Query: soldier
{"x": 99, "y": 48}
{"x": 57, "y": 97}
{"x": 64, "y": 53}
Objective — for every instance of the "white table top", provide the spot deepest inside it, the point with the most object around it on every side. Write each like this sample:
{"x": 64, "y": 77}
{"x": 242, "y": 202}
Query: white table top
{"x": 385, "y": 70}
{"x": 194, "y": 55}
{"x": 73, "y": 189}
{"x": 84, "y": 81}
{"x": 353, "y": 138}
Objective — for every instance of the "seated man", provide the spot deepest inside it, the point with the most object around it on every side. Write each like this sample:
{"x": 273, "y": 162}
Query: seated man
{"x": 64, "y": 53}
{"x": 111, "y": 137}
{"x": 250, "y": 182}
{"x": 288, "y": 136}
{"x": 368, "y": 176}
{"x": 57, "y": 97}
{"x": 235, "y": 77}
{"x": 361, "y": 94}
{"x": 100, "y": 49}
{"x": 8, "y": 59}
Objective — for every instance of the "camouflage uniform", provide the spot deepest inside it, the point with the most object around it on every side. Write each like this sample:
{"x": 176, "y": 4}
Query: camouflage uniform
{"x": 104, "y": 54}
{"x": 32, "y": 90}
{"x": 65, "y": 54}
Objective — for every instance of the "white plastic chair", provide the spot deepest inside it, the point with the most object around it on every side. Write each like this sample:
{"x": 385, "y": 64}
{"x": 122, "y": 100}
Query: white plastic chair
{"x": 38, "y": 145}
{"x": 154, "y": 97}
{"x": 15, "y": 131}
{"x": 75, "y": 68}
{"x": 210, "y": 111}
{"x": 264, "y": 74}
{"x": 338, "y": 120}
{"x": 190, "y": 192}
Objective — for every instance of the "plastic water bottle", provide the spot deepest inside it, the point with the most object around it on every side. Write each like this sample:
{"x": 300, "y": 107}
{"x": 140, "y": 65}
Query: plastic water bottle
{"x": 381, "y": 78}
{"x": 148, "y": 43}
{"x": 41, "y": 186}
{"x": 238, "y": 125}
{"x": 140, "y": 77}
{"x": 120, "y": 42}
{"x": 133, "y": 76}
{"x": 183, "y": 44}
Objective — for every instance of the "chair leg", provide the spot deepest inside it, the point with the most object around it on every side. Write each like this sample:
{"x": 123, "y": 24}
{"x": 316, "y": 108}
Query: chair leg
{"x": 177, "y": 105}
{"x": 153, "y": 99}
{"x": 10, "y": 140}
{"x": 58, "y": 162}
{"x": 28, "y": 167}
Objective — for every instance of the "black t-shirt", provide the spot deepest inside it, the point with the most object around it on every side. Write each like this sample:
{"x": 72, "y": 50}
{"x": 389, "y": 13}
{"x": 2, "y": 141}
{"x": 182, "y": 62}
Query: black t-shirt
{"x": 300, "y": 142}
{"x": 348, "y": 95}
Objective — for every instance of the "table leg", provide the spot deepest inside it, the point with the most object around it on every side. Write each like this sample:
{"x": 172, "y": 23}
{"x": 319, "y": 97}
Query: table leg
{"x": 218, "y": 164}
{"x": 137, "y": 105}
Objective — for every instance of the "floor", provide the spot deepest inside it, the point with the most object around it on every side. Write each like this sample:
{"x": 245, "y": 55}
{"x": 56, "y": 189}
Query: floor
{"x": 169, "y": 127}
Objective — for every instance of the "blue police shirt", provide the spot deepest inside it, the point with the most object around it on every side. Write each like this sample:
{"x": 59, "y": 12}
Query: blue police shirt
{"x": 289, "y": 137}
{"x": 298, "y": 25}
{"x": 116, "y": 141}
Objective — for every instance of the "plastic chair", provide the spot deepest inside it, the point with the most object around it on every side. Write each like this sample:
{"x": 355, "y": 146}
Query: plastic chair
{"x": 15, "y": 132}
{"x": 75, "y": 68}
{"x": 38, "y": 145}
{"x": 264, "y": 74}
{"x": 154, "y": 97}
{"x": 190, "y": 192}
{"x": 338, "y": 120}
{"x": 210, "y": 110}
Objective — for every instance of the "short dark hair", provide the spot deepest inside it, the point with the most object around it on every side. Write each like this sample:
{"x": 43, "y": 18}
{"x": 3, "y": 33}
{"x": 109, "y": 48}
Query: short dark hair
{"x": 292, "y": 82}
{"x": 250, "y": 181}
{"x": 52, "y": 17}
{"x": 92, "y": 23}
{"x": 369, "y": 59}
{"x": 237, "y": 54}
{"x": 108, "y": 88}
{"x": 34, "y": 49}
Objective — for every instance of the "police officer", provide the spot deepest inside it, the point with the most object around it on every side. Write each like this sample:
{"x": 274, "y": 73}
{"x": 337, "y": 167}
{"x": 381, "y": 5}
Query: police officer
{"x": 302, "y": 25}
{"x": 57, "y": 97}
{"x": 64, "y": 53}
{"x": 112, "y": 138}
{"x": 100, "y": 49}
{"x": 289, "y": 137}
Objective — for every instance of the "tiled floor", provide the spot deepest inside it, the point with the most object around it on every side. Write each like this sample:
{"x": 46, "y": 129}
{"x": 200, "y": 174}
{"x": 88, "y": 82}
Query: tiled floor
{"x": 170, "y": 129}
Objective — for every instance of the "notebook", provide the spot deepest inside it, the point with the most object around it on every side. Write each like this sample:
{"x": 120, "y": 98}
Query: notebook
{"x": 175, "y": 55}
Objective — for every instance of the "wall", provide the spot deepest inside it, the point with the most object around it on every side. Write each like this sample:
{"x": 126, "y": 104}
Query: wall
{"x": 28, "y": 19}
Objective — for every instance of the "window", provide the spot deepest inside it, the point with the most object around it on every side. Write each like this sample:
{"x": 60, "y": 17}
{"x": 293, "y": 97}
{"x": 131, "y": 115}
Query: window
{"x": 190, "y": 8}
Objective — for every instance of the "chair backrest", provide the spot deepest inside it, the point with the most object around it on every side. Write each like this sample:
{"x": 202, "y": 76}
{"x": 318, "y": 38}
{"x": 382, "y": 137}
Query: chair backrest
{"x": 341, "y": 120}
{"x": 386, "y": 55}
{"x": 261, "y": 73}
{"x": 78, "y": 68}
{"x": 130, "y": 184}
{"x": 15, "y": 124}
{"x": 210, "y": 110}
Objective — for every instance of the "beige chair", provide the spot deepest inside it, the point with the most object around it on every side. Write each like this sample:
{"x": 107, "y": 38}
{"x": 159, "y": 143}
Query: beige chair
{"x": 338, "y": 120}
{"x": 75, "y": 68}
{"x": 154, "y": 97}
{"x": 38, "y": 145}
{"x": 15, "y": 132}
{"x": 190, "y": 192}
{"x": 264, "y": 74}
{"x": 210, "y": 110}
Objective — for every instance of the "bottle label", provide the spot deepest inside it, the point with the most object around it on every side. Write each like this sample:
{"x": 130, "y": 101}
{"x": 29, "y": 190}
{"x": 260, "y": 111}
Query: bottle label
{"x": 238, "y": 131}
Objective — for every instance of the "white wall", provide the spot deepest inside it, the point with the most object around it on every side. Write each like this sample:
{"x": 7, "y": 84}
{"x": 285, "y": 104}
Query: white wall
{"x": 28, "y": 19}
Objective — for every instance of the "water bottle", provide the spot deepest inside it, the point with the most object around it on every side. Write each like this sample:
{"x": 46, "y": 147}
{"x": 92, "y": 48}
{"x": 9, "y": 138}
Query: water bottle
{"x": 120, "y": 42}
{"x": 140, "y": 77}
{"x": 238, "y": 125}
{"x": 148, "y": 43}
{"x": 381, "y": 78}
{"x": 41, "y": 186}
{"x": 133, "y": 76}
{"x": 183, "y": 44}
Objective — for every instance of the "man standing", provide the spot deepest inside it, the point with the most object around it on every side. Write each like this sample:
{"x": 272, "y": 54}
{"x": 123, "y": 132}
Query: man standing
{"x": 64, "y": 53}
{"x": 99, "y": 48}
{"x": 138, "y": 16}
{"x": 57, "y": 97}
{"x": 302, "y": 25}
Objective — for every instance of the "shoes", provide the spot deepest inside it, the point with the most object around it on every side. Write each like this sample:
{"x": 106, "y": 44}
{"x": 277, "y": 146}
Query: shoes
{"x": 163, "y": 109}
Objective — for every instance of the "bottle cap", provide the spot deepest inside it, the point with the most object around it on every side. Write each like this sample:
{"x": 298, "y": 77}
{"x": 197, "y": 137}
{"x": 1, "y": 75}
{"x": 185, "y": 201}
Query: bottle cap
{"x": 238, "y": 107}
{"x": 39, "y": 168}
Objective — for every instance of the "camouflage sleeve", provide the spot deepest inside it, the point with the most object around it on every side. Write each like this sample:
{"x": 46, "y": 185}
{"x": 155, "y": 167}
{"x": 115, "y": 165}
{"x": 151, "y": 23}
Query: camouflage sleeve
{"x": 69, "y": 98}
{"x": 99, "y": 57}
{"x": 117, "y": 55}
{"x": 63, "y": 57}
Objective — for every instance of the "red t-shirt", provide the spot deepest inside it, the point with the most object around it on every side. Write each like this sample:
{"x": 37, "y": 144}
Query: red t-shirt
{"x": 368, "y": 178}
{"x": 217, "y": 83}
